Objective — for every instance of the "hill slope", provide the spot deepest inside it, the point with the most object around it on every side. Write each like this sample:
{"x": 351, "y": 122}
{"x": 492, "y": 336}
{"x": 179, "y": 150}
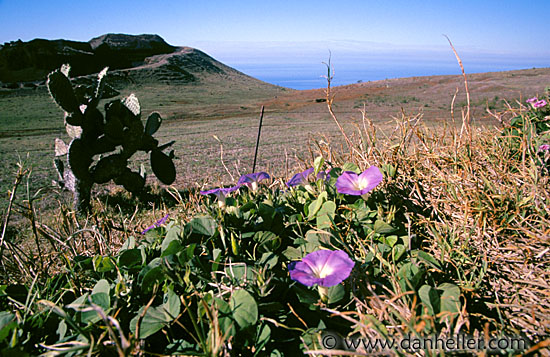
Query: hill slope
{"x": 131, "y": 58}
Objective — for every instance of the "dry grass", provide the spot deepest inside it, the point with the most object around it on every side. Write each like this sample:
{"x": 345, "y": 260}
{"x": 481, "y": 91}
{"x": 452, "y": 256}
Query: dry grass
{"x": 489, "y": 218}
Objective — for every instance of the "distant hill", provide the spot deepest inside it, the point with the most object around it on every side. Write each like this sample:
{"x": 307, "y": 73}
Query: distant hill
{"x": 130, "y": 58}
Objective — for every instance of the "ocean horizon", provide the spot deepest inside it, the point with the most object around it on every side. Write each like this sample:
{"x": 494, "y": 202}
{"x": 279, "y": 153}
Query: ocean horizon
{"x": 304, "y": 76}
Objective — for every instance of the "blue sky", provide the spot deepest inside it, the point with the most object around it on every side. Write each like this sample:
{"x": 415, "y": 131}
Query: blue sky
{"x": 294, "y": 30}
{"x": 486, "y": 25}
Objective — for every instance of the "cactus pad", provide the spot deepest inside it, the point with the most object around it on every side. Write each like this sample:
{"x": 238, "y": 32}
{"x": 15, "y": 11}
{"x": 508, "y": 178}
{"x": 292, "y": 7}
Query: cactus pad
{"x": 163, "y": 167}
{"x": 108, "y": 168}
{"x": 153, "y": 123}
{"x": 79, "y": 159}
{"x": 62, "y": 91}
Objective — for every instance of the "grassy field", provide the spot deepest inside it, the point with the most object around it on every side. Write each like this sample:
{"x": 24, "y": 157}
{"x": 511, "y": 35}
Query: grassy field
{"x": 229, "y": 108}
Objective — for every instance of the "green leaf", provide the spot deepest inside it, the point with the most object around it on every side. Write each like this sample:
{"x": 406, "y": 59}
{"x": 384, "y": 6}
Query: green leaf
{"x": 7, "y": 323}
{"x": 225, "y": 317}
{"x": 153, "y": 321}
{"x": 391, "y": 240}
{"x": 428, "y": 259}
{"x": 244, "y": 308}
{"x": 61, "y": 329}
{"x": 187, "y": 254}
{"x": 267, "y": 241}
{"x": 174, "y": 247}
{"x": 316, "y": 205}
{"x": 318, "y": 164}
{"x": 172, "y": 304}
{"x": 382, "y": 227}
{"x": 430, "y": 298}
{"x": 397, "y": 251}
{"x": 152, "y": 277}
{"x": 100, "y": 299}
{"x": 450, "y": 298}
{"x": 263, "y": 334}
{"x": 409, "y": 276}
{"x": 101, "y": 286}
{"x": 336, "y": 293}
{"x": 153, "y": 123}
{"x": 103, "y": 300}
{"x": 292, "y": 253}
{"x": 130, "y": 243}
{"x": 350, "y": 166}
{"x": 171, "y": 241}
{"x": 202, "y": 225}
{"x": 240, "y": 272}
{"x": 389, "y": 170}
{"x": 325, "y": 216}
{"x": 306, "y": 296}
{"x": 130, "y": 258}
{"x": 268, "y": 260}
{"x": 103, "y": 264}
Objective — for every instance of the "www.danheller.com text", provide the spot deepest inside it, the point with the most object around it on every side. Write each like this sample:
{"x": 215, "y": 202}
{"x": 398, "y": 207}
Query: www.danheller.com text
{"x": 331, "y": 340}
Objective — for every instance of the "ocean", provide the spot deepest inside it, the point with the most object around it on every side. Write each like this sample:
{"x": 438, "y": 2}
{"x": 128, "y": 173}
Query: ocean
{"x": 313, "y": 75}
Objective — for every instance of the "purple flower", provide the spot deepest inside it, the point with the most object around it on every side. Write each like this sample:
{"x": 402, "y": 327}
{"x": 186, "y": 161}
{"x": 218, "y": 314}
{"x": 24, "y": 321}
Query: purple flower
{"x": 220, "y": 193}
{"x": 324, "y": 175}
{"x": 352, "y": 184}
{"x": 539, "y": 104}
{"x": 251, "y": 180}
{"x": 300, "y": 178}
{"x": 323, "y": 267}
{"x": 544, "y": 147}
{"x": 156, "y": 224}
{"x": 532, "y": 100}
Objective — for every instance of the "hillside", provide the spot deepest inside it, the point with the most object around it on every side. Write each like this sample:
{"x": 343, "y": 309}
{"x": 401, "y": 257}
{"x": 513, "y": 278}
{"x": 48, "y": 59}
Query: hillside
{"x": 131, "y": 59}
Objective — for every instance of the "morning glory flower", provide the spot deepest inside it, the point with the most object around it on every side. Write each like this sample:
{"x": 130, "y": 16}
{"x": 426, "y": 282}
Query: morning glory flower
{"x": 532, "y": 100}
{"x": 544, "y": 147}
{"x": 156, "y": 224}
{"x": 323, "y": 267}
{"x": 300, "y": 178}
{"x": 539, "y": 104}
{"x": 359, "y": 185}
{"x": 220, "y": 193}
{"x": 251, "y": 180}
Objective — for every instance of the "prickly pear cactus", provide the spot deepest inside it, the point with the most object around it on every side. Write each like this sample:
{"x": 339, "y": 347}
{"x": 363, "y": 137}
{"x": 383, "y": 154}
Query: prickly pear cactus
{"x": 115, "y": 136}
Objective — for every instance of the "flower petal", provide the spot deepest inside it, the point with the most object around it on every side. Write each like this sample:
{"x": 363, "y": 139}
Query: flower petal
{"x": 296, "y": 180}
{"x": 212, "y": 191}
{"x": 253, "y": 177}
{"x": 347, "y": 183}
{"x": 341, "y": 266}
{"x": 539, "y": 104}
{"x": 324, "y": 267}
{"x": 373, "y": 176}
{"x": 302, "y": 273}
{"x": 300, "y": 178}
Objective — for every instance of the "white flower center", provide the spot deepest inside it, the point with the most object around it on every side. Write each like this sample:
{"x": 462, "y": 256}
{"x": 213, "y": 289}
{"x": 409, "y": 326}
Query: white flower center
{"x": 326, "y": 270}
{"x": 361, "y": 183}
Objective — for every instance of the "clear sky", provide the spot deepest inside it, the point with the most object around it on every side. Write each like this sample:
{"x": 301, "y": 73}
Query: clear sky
{"x": 233, "y": 31}
{"x": 490, "y": 25}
